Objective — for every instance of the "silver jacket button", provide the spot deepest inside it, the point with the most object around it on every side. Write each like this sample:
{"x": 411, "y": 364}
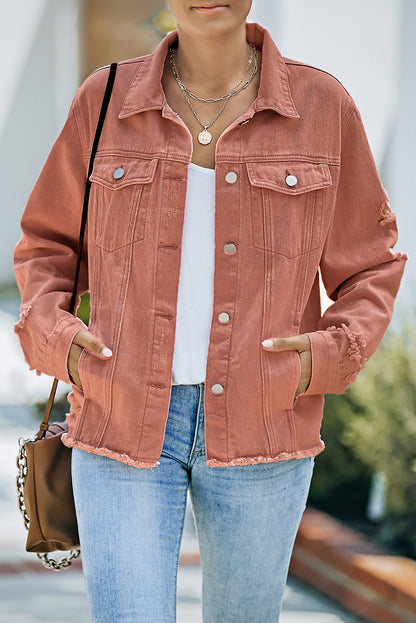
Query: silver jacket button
{"x": 224, "y": 317}
{"x": 217, "y": 389}
{"x": 118, "y": 173}
{"x": 291, "y": 180}
{"x": 230, "y": 248}
{"x": 231, "y": 177}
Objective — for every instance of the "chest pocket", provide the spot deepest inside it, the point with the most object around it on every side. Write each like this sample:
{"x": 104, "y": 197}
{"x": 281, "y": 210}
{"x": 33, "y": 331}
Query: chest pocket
{"x": 120, "y": 192}
{"x": 286, "y": 205}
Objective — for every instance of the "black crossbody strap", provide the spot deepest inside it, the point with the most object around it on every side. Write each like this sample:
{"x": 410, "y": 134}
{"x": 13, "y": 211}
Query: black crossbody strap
{"x": 104, "y": 106}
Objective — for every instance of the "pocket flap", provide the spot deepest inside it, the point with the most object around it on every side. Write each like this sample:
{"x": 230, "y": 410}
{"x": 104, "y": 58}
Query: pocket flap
{"x": 116, "y": 172}
{"x": 292, "y": 178}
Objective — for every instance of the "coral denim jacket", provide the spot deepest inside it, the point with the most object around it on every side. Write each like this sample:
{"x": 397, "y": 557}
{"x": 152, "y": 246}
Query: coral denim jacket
{"x": 304, "y": 196}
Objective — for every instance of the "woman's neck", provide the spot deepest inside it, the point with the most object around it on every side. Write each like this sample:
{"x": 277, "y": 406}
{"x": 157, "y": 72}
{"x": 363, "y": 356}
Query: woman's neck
{"x": 212, "y": 67}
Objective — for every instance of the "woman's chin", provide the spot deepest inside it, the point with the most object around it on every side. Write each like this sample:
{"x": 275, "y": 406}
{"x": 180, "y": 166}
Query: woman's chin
{"x": 216, "y": 23}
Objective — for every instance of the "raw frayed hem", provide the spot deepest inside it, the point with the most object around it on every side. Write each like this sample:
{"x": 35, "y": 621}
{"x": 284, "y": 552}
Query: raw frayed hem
{"x": 109, "y": 454}
{"x": 254, "y": 460}
{"x": 357, "y": 344}
{"x": 25, "y": 310}
{"x": 397, "y": 256}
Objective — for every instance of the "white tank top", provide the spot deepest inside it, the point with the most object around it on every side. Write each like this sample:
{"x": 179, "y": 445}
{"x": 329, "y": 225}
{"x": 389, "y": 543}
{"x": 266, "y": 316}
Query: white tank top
{"x": 196, "y": 279}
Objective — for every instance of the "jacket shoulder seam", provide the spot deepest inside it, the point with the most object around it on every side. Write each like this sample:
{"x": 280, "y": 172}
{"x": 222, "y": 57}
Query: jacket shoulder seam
{"x": 75, "y": 112}
{"x": 129, "y": 61}
{"x": 351, "y": 106}
{"x": 289, "y": 61}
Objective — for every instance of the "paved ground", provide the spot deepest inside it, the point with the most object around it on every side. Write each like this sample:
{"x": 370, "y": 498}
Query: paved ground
{"x": 59, "y": 599}
{"x": 29, "y": 597}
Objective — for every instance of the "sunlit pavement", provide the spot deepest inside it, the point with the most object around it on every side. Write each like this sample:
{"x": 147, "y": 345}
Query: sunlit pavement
{"x": 28, "y": 597}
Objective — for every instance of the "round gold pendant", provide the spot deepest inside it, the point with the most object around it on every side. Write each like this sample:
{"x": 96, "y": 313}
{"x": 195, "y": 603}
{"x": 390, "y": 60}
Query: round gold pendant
{"x": 204, "y": 137}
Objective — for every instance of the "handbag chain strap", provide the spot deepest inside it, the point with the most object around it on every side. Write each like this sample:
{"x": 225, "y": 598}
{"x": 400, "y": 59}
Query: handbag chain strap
{"x": 44, "y": 426}
{"x": 47, "y": 561}
{"x": 64, "y": 562}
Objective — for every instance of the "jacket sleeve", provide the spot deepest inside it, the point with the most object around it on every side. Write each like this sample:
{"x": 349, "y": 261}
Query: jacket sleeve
{"x": 360, "y": 271}
{"x": 45, "y": 256}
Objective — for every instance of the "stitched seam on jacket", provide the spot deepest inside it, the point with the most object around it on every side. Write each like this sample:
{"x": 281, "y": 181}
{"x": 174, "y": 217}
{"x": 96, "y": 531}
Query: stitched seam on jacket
{"x": 154, "y": 293}
{"x": 77, "y": 117}
{"x": 268, "y": 267}
{"x": 290, "y": 61}
{"x": 292, "y": 429}
{"x": 229, "y": 158}
{"x": 108, "y": 404}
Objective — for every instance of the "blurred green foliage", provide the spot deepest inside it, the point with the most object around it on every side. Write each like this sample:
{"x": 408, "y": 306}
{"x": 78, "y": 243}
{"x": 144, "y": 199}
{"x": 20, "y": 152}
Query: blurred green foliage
{"x": 84, "y": 308}
{"x": 371, "y": 429}
{"x": 341, "y": 480}
{"x": 384, "y": 434}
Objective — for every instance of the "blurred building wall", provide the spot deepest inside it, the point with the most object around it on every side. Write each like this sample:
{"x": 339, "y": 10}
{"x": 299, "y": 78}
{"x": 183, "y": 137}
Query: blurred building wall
{"x": 400, "y": 155}
{"x": 39, "y": 39}
{"x": 370, "y": 46}
{"x": 113, "y": 31}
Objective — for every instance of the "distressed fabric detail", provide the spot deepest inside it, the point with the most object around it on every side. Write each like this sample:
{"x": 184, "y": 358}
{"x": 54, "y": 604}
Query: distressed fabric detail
{"x": 25, "y": 310}
{"x": 110, "y": 454}
{"x": 399, "y": 257}
{"x": 254, "y": 460}
{"x": 356, "y": 344}
{"x": 386, "y": 216}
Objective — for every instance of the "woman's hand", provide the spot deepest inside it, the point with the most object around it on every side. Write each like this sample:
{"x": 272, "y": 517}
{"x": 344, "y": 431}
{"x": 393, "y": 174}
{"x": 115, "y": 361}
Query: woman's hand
{"x": 84, "y": 339}
{"x": 300, "y": 343}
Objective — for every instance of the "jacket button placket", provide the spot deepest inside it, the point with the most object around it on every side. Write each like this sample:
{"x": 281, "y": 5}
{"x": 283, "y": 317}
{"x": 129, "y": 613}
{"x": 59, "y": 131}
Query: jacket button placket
{"x": 227, "y": 216}
{"x": 166, "y": 291}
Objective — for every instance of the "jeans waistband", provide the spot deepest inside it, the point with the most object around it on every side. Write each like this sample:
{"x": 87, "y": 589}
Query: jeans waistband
{"x": 201, "y": 384}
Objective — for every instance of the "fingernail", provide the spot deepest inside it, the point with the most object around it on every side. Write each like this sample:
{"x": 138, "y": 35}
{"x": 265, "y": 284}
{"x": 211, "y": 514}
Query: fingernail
{"x": 267, "y": 343}
{"x": 106, "y": 352}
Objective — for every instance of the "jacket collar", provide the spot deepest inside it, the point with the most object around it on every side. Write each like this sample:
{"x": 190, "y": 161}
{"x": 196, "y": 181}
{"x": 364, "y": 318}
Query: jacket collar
{"x": 146, "y": 92}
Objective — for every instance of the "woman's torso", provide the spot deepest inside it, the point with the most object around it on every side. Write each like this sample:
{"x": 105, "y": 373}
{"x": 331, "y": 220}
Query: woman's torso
{"x": 277, "y": 183}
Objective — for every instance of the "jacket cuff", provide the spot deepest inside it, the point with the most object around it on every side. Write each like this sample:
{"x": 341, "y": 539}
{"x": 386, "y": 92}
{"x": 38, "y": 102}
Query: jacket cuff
{"x": 325, "y": 361}
{"x": 60, "y": 342}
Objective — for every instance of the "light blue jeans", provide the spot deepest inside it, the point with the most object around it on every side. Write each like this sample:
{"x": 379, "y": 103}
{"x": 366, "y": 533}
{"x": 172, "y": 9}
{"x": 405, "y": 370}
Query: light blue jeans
{"x": 131, "y": 521}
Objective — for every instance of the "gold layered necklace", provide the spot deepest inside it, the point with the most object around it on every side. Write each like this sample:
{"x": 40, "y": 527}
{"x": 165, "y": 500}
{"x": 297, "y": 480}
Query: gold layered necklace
{"x": 205, "y": 136}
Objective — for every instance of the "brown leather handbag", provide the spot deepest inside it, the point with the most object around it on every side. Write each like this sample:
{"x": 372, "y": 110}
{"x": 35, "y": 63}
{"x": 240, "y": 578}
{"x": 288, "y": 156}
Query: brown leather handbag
{"x": 44, "y": 484}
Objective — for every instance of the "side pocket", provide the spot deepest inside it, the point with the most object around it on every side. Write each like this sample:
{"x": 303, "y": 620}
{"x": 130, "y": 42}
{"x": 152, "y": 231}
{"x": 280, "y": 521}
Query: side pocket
{"x": 81, "y": 370}
{"x": 297, "y": 377}
{"x": 284, "y": 375}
